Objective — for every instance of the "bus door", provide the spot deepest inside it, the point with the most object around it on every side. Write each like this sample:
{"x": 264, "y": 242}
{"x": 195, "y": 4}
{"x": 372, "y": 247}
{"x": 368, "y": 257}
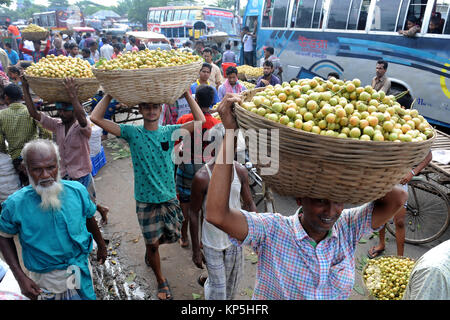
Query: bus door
{"x": 200, "y": 29}
{"x": 251, "y": 16}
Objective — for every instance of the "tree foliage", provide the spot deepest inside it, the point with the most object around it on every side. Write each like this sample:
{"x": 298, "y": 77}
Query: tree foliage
{"x": 227, "y": 4}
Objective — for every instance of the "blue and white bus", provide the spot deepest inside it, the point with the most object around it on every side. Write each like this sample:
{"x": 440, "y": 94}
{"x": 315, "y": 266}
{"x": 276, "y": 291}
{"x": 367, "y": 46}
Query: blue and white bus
{"x": 316, "y": 37}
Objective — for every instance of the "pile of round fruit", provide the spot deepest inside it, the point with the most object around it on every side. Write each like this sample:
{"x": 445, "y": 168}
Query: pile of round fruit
{"x": 146, "y": 59}
{"x": 340, "y": 109}
{"x": 387, "y": 277}
{"x": 33, "y": 28}
{"x": 60, "y": 67}
{"x": 250, "y": 71}
{"x": 248, "y": 85}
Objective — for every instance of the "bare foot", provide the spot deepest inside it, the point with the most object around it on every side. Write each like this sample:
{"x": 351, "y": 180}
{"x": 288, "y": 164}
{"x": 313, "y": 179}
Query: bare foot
{"x": 184, "y": 243}
{"x": 103, "y": 212}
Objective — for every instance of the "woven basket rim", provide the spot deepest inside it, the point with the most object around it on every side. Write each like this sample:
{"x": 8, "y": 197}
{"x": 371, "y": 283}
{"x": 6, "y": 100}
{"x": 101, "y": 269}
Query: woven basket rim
{"x": 146, "y": 70}
{"x": 331, "y": 139}
{"x": 62, "y": 79}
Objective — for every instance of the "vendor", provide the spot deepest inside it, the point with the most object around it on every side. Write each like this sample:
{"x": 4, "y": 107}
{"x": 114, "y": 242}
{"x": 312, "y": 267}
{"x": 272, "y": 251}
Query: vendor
{"x": 308, "y": 255}
{"x": 37, "y": 54}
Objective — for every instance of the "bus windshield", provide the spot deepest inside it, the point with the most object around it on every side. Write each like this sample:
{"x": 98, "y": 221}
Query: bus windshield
{"x": 223, "y": 21}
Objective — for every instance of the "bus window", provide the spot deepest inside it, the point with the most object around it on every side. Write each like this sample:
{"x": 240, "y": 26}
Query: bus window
{"x": 170, "y": 15}
{"x": 157, "y": 16}
{"x": 357, "y": 18}
{"x": 416, "y": 8}
{"x": 267, "y": 13}
{"x": 151, "y": 16}
{"x": 339, "y": 14}
{"x": 181, "y": 32}
{"x": 304, "y": 11}
{"x": 441, "y": 16}
{"x": 385, "y": 15}
{"x": 194, "y": 15}
{"x": 318, "y": 15}
{"x": 184, "y": 14}
{"x": 176, "y": 15}
{"x": 163, "y": 15}
{"x": 280, "y": 10}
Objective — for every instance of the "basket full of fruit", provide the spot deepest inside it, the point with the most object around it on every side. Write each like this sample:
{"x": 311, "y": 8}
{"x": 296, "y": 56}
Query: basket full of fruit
{"x": 386, "y": 277}
{"x": 148, "y": 76}
{"x": 336, "y": 140}
{"x": 246, "y": 72}
{"x": 34, "y": 33}
{"x": 46, "y": 78}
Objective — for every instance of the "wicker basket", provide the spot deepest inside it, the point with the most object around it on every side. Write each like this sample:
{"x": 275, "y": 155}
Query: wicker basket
{"x": 157, "y": 85}
{"x": 52, "y": 89}
{"x": 341, "y": 170}
{"x": 366, "y": 288}
{"x": 35, "y": 36}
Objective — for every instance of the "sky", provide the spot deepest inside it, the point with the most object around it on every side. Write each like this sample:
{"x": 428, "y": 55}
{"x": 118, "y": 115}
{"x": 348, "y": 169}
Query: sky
{"x": 102, "y": 2}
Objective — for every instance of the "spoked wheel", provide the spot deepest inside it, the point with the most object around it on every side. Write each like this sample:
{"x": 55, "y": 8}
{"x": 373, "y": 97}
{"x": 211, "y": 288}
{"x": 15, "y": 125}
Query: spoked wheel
{"x": 427, "y": 214}
{"x": 261, "y": 194}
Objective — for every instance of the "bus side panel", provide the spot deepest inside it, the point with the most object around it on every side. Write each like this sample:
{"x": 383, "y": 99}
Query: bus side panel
{"x": 421, "y": 63}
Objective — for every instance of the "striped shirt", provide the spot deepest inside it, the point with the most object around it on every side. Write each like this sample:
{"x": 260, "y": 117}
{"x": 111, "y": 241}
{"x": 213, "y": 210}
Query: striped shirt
{"x": 291, "y": 266}
{"x": 17, "y": 128}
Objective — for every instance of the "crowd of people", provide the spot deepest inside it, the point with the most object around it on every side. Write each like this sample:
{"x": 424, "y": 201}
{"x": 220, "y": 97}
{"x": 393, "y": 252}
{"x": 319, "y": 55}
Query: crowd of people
{"x": 204, "y": 202}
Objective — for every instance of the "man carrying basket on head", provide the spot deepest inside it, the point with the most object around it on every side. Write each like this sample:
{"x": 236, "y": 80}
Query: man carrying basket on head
{"x": 309, "y": 255}
{"x": 157, "y": 207}
{"x": 37, "y": 54}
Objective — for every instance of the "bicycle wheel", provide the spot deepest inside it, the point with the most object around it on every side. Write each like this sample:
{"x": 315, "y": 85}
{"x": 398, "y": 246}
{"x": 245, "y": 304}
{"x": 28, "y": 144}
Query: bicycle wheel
{"x": 427, "y": 215}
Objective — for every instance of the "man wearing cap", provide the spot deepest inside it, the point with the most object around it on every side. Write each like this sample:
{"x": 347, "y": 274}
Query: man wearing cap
{"x": 72, "y": 132}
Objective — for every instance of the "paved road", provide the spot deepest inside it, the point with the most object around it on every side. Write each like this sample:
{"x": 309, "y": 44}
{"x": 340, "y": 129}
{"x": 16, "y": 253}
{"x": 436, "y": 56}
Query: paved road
{"x": 114, "y": 185}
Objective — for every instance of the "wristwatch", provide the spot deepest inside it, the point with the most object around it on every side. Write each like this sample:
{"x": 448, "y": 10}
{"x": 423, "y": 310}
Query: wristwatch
{"x": 413, "y": 173}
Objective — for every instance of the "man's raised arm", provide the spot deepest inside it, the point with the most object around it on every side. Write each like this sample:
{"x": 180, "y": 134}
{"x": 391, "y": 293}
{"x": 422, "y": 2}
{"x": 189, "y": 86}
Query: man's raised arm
{"x": 97, "y": 117}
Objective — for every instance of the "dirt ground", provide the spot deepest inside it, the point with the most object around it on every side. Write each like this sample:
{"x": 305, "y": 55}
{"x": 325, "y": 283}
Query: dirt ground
{"x": 125, "y": 275}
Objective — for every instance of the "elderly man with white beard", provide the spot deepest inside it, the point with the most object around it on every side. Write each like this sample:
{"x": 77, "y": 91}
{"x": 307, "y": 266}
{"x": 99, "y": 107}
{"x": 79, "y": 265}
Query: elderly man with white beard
{"x": 55, "y": 222}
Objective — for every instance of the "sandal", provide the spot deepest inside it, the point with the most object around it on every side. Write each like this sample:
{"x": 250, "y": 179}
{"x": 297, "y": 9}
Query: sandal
{"x": 201, "y": 280}
{"x": 372, "y": 253}
{"x": 167, "y": 291}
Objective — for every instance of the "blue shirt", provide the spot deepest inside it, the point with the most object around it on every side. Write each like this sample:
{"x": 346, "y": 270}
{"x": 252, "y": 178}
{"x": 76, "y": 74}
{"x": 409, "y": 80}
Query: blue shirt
{"x": 52, "y": 240}
{"x": 13, "y": 57}
{"x": 216, "y": 95}
{"x": 90, "y": 60}
{"x": 151, "y": 153}
{"x": 273, "y": 81}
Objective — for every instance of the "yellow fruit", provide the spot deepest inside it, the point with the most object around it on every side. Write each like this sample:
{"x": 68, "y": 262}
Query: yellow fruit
{"x": 149, "y": 59}
{"x": 362, "y": 115}
{"x": 60, "y": 67}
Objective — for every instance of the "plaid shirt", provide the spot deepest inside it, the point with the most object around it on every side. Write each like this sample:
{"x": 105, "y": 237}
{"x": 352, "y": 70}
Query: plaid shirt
{"x": 17, "y": 128}
{"x": 291, "y": 266}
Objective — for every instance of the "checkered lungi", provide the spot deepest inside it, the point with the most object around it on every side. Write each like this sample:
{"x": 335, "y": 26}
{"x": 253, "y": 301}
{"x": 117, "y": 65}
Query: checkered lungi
{"x": 224, "y": 272}
{"x": 160, "y": 221}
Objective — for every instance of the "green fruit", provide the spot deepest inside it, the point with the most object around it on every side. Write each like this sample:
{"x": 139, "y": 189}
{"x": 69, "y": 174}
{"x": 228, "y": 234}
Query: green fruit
{"x": 261, "y": 111}
{"x": 308, "y": 116}
{"x": 355, "y": 133}
{"x": 301, "y": 102}
{"x": 284, "y": 120}
{"x": 277, "y": 107}
{"x": 369, "y": 131}
{"x": 291, "y": 112}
